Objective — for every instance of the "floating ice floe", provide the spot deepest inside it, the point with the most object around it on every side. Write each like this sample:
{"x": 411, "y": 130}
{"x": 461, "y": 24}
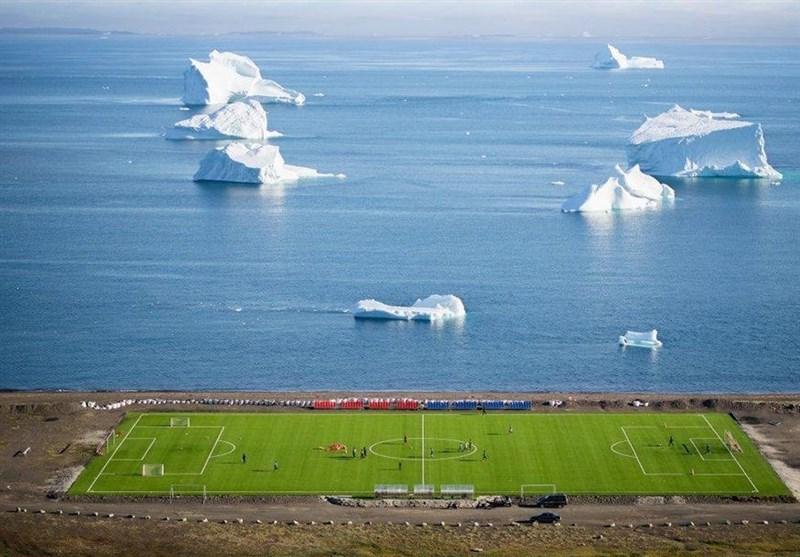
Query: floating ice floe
{"x": 228, "y": 76}
{"x": 252, "y": 163}
{"x": 631, "y": 190}
{"x": 432, "y": 308}
{"x": 647, "y": 339}
{"x": 610, "y": 58}
{"x": 692, "y": 143}
{"x": 239, "y": 120}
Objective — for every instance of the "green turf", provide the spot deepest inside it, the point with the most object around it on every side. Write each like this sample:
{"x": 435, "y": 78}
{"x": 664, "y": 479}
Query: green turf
{"x": 575, "y": 453}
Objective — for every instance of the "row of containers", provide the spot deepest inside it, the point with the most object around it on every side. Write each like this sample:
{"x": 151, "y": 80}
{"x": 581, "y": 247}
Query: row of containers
{"x": 414, "y": 404}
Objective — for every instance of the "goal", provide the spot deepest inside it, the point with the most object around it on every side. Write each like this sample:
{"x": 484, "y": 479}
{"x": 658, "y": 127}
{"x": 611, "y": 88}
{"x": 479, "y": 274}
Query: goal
{"x": 536, "y": 490}
{"x": 105, "y": 445}
{"x": 181, "y": 421}
{"x": 192, "y": 490}
{"x": 152, "y": 470}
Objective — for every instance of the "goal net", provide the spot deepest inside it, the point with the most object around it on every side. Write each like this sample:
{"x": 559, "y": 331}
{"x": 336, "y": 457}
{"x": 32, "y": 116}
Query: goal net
{"x": 732, "y": 443}
{"x": 179, "y": 422}
{"x": 536, "y": 490}
{"x": 193, "y": 490}
{"x": 152, "y": 470}
{"x": 105, "y": 445}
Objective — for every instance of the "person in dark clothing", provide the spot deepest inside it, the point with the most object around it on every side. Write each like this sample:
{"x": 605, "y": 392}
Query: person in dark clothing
{"x": 244, "y": 458}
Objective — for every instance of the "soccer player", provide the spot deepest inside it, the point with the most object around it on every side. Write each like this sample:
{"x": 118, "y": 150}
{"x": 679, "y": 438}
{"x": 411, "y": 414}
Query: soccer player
{"x": 275, "y": 465}
{"x": 400, "y": 465}
{"x": 431, "y": 452}
{"x": 405, "y": 439}
{"x": 244, "y": 458}
{"x": 671, "y": 441}
{"x": 510, "y": 429}
{"x": 485, "y": 456}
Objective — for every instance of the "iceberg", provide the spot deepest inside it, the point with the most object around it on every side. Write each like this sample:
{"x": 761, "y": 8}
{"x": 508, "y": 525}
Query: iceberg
{"x": 240, "y": 120}
{"x": 609, "y": 196}
{"x": 228, "y": 76}
{"x": 632, "y": 189}
{"x": 647, "y": 339}
{"x": 251, "y": 163}
{"x": 433, "y": 308}
{"x": 692, "y": 143}
{"x": 639, "y": 184}
{"x": 610, "y": 58}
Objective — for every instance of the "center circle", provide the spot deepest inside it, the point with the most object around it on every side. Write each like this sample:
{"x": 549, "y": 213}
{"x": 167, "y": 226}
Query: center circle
{"x": 444, "y": 448}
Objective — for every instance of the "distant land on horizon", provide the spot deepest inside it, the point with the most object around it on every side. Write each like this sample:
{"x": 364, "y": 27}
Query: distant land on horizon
{"x": 91, "y": 32}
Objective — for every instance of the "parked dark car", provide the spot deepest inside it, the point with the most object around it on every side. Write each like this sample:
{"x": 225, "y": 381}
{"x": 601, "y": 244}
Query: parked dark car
{"x": 546, "y": 518}
{"x": 554, "y": 501}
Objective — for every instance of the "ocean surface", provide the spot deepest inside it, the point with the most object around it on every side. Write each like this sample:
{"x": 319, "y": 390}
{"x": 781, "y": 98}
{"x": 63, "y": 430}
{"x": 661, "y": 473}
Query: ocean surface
{"x": 117, "y": 271}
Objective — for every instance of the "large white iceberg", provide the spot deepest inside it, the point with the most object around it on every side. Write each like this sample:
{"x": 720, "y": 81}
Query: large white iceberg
{"x": 648, "y": 339}
{"x": 631, "y": 190}
{"x": 240, "y": 120}
{"x": 433, "y": 308}
{"x": 251, "y": 163}
{"x": 228, "y": 76}
{"x": 692, "y": 143}
{"x": 610, "y": 58}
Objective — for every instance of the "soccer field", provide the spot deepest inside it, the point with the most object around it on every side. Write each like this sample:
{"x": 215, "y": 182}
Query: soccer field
{"x": 501, "y": 453}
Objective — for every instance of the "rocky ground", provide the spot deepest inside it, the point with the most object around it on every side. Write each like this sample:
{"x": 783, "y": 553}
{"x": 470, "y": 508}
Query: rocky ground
{"x": 62, "y": 437}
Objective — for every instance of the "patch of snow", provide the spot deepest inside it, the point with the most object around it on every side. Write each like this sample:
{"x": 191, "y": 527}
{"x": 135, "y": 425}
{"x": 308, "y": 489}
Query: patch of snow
{"x": 692, "y": 143}
{"x": 228, "y": 76}
{"x": 610, "y": 58}
{"x": 251, "y": 163}
{"x": 433, "y": 308}
{"x": 242, "y": 119}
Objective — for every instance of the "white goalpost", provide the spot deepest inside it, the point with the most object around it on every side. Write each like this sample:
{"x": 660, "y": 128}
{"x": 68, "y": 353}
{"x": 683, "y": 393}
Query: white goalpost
{"x": 536, "y": 490}
{"x": 176, "y": 490}
{"x": 179, "y": 421}
{"x": 152, "y": 470}
{"x": 106, "y": 444}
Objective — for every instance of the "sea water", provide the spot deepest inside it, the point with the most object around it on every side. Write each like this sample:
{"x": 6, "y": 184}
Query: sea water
{"x": 118, "y": 271}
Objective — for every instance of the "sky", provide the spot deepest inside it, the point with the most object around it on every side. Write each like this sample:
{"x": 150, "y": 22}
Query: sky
{"x": 728, "y": 20}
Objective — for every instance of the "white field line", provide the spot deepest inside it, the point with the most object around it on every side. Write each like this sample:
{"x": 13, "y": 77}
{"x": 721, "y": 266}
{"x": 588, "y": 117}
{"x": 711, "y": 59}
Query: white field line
{"x": 423, "y": 449}
{"x": 100, "y": 473}
{"x": 730, "y": 452}
{"x": 636, "y": 456}
{"x": 232, "y": 446}
{"x": 211, "y": 452}
{"x": 691, "y": 440}
{"x": 613, "y": 450}
{"x": 147, "y": 450}
{"x": 356, "y": 492}
{"x": 213, "y": 447}
{"x": 178, "y": 427}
